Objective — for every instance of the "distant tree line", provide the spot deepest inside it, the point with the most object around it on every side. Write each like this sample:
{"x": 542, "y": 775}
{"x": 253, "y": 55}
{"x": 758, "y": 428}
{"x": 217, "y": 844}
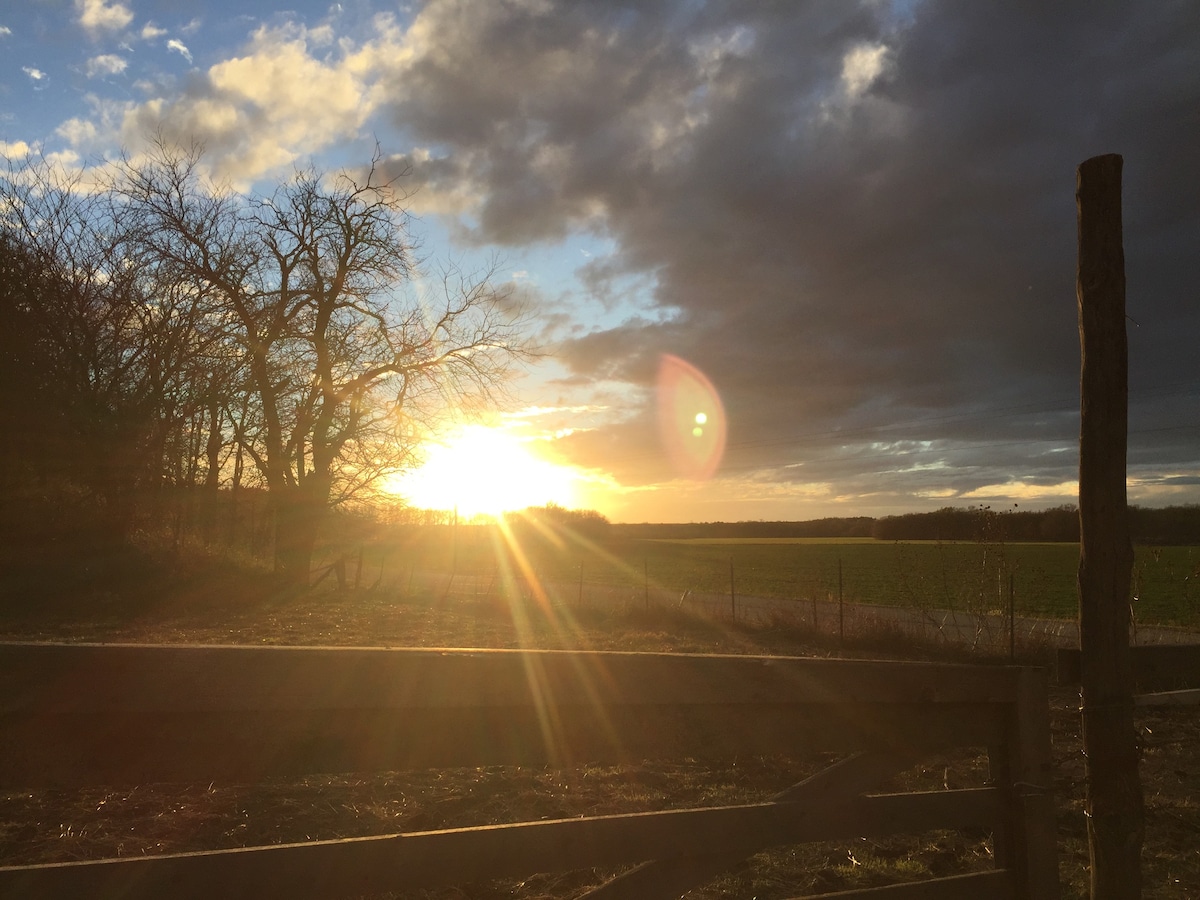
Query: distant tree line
{"x": 1170, "y": 525}
{"x": 1173, "y": 525}
{"x": 851, "y": 527}
{"x": 981, "y": 523}
{"x": 169, "y": 345}
{"x": 554, "y": 524}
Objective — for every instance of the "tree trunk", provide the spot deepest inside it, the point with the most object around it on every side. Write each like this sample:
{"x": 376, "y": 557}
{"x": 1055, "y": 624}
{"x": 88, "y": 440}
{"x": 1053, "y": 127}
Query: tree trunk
{"x": 299, "y": 513}
{"x": 1115, "y": 817}
{"x": 212, "y": 474}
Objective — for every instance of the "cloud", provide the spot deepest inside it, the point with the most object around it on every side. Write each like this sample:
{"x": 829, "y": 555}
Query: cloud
{"x": 5, "y": 31}
{"x": 15, "y": 149}
{"x": 533, "y": 412}
{"x": 857, "y": 218}
{"x": 96, "y": 16}
{"x": 35, "y": 75}
{"x": 854, "y": 220}
{"x": 861, "y": 65}
{"x": 257, "y": 112}
{"x": 106, "y": 64}
{"x": 78, "y": 132}
{"x": 150, "y": 32}
{"x": 180, "y": 48}
{"x": 1065, "y": 492}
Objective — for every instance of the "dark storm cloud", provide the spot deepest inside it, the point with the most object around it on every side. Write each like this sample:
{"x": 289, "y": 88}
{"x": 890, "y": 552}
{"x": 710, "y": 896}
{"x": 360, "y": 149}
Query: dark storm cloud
{"x": 861, "y": 217}
{"x": 627, "y": 353}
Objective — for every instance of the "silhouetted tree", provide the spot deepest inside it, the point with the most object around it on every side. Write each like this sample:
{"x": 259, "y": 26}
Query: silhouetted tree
{"x": 337, "y": 361}
{"x": 556, "y": 525}
{"x": 32, "y": 433}
{"x": 113, "y": 349}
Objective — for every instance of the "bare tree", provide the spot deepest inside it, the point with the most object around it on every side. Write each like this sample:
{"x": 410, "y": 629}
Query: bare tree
{"x": 314, "y": 285}
{"x": 118, "y": 348}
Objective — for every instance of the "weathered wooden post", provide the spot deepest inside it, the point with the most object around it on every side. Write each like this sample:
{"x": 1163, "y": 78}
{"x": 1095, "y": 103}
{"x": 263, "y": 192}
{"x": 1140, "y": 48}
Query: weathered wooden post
{"x": 1115, "y": 816}
{"x": 1012, "y": 618}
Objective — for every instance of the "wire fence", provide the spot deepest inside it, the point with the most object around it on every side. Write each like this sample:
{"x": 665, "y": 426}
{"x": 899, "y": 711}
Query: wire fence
{"x": 1002, "y": 624}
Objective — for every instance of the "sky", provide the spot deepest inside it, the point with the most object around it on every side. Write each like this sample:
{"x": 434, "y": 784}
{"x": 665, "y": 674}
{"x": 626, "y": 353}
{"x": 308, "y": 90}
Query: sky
{"x": 846, "y": 230}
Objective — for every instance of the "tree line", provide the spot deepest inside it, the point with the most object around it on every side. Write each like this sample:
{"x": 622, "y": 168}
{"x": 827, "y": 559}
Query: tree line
{"x": 166, "y": 340}
{"x": 1172, "y": 525}
{"x": 848, "y": 527}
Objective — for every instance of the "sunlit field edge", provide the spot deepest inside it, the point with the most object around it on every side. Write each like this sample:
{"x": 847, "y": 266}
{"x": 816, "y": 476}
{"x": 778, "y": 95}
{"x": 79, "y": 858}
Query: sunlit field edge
{"x": 968, "y": 576}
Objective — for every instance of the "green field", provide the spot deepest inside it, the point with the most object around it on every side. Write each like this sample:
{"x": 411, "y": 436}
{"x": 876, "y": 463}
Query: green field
{"x": 971, "y": 576}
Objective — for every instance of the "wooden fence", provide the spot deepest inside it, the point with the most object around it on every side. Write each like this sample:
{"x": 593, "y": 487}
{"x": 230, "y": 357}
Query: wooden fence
{"x": 74, "y": 715}
{"x": 1163, "y": 674}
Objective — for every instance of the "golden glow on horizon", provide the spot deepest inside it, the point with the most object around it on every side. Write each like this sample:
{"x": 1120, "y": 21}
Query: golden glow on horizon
{"x": 485, "y": 471}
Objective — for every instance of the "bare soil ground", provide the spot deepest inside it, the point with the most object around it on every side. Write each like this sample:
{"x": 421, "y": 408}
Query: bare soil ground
{"x": 96, "y": 823}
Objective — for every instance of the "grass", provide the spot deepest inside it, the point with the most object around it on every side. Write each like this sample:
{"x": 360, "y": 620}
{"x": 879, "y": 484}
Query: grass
{"x": 969, "y": 576}
{"x": 227, "y": 604}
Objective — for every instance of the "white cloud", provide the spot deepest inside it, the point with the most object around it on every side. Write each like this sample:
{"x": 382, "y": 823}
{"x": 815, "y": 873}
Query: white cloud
{"x": 256, "y": 114}
{"x": 77, "y": 132}
{"x": 96, "y": 15}
{"x": 178, "y": 47}
{"x": 34, "y": 74}
{"x": 107, "y": 64}
{"x": 15, "y": 149}
{"x": 67, "y": 160}
{"x": 321, "y": 36}
{"x": 150, "y": 31}
{"x": 1021, "y": 490}
{"x": 861, "y": 66}
{"x": 5, "y": 31}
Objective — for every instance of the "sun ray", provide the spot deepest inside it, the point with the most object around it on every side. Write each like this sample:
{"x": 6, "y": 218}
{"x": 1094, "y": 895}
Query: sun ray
{"x": 509, "y": 552}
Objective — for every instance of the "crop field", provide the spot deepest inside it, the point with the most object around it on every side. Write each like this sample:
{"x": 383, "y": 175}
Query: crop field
{"x": 965, "y": 576}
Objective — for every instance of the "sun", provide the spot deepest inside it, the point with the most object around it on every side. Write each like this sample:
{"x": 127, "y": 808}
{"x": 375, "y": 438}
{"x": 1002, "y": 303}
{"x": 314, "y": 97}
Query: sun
{"x": 485, "y": 471}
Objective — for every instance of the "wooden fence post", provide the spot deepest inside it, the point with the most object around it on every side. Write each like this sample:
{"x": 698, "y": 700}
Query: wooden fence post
{"x": 1032, "y": 784}
{"x": 1012, "y": 618}
{"x": 1115, "y": 814}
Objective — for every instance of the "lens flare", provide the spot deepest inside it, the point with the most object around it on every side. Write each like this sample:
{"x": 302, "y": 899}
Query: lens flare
{"x": 691, "y": 418}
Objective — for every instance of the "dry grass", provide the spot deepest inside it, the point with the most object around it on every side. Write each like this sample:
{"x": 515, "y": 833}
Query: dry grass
{"x": 96, "y": 823}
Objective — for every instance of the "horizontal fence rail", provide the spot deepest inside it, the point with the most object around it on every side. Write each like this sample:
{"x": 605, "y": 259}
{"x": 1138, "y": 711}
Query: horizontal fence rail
{"x": 79, "y": 715}
{"x": 1166, "y": 675}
